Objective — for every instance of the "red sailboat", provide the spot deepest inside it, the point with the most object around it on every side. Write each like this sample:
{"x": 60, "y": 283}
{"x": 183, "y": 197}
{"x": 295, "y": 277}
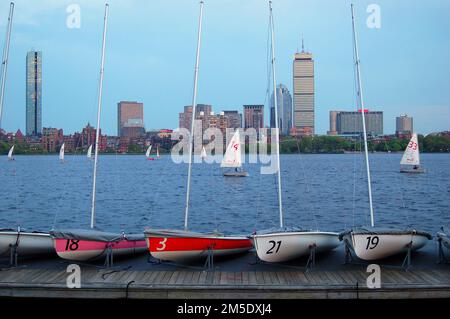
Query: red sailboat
{"x": 90, "y": 244}
{"x": 182, "y": 245}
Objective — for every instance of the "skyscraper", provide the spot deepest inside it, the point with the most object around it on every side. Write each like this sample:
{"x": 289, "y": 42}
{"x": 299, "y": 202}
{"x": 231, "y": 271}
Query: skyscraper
{"x": 303, "y": 74}
{"x": 404, "y": 125}
{"x": 254, "y": 116}
{"x": 34, "y": 93}
{"x": 130, "y": 119}
{"x": 186, "y": 116}
{"x": 284, "y": 101}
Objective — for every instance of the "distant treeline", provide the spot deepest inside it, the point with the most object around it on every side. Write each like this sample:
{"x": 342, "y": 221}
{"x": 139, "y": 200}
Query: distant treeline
{"x": 291, "y": 145}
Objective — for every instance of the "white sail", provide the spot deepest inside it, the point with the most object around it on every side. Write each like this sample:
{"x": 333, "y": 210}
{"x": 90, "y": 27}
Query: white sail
{"x": 147, "y": 153}
{"x": 61, "y": 153}
{"x": 232, "y": 156}
{"x": 10, "y": 153}
{"x": 89, "y": 152}
{"x": 411, "y": 155}
{"x": 203, "y": 153}
{"x": 157, "y": 152}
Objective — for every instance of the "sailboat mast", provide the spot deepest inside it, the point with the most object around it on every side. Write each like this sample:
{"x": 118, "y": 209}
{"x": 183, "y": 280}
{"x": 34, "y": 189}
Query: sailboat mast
{"x": 99, "y": 109}
{"x": 277, "y": 129}
{"x": 194, "y": 107}
{"x": 5, "y": 59}
{"x": 361, "y": 103}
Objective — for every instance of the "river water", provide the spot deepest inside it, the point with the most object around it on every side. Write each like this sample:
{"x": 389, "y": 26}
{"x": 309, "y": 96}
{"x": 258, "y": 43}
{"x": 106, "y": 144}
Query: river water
{"x": 327, "y": 192}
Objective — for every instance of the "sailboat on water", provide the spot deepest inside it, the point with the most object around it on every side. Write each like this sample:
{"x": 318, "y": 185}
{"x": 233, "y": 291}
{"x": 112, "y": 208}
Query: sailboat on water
{"x": 203, "y": 154}
{"x": 147, "y": 154}
{"x": 14, "y": 243}
{"x": 287, "y": 243}
{"x": 10, "y": 153}
{"x": 90, "y": 244}
{"x": 373, "y": 243}
{"x": 61, "y": 153}
{"x": 410, "y": 162}
{"x": 183, "y": 245}
{"x": 89, "y": 152}
{"x": 233, "y": 158}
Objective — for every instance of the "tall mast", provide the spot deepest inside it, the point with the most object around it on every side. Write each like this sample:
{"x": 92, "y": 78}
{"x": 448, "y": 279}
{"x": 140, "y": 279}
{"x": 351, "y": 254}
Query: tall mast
{"x": 194, "y": 107}
{"x": 277, "y": 130}
{"x": 99, "y": 110}
{"x": 5, "y": 59}
{"x": 361, "y": 103}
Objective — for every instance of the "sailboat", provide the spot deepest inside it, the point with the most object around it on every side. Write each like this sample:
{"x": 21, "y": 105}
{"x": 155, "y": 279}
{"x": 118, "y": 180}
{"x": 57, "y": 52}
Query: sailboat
{"x": 233, "y": 157}
{"x": 61, "y": 153}
{"x": 89, "y": 152}
{"x": 287, "y": 243}
{"x": 203, "y": 154}
{"x": 15, "y": 243}
{"x": 157, "y": 152}
{"x": 373, "y": 243}
{"x": 183, "y": 246}
{"x": 90, "y": 244}
{"x": 147, "y": 153}
{"x": 10, "y": 153}
{"x": 410, "y": 162}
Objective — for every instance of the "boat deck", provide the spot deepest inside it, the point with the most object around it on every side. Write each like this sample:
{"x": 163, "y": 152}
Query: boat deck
{"x": 237, "y": 278}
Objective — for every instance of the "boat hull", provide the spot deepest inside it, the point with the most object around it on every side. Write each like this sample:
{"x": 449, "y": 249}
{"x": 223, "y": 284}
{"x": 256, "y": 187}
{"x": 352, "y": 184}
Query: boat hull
{"x": 235, "y": 174}
{"x": 86, "y": 250}
{"x": 419, "y": 170}
{"x": 445, "y": 239}
{"x": 286, "y": 246}
{"x": 379, "y": 245}
{"x": 29, "y": 243}
{"x": 191, "y": 248}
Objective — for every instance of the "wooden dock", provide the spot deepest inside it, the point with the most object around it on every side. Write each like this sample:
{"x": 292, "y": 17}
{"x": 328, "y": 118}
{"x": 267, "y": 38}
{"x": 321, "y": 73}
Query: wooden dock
{"x": 180, "y": 283}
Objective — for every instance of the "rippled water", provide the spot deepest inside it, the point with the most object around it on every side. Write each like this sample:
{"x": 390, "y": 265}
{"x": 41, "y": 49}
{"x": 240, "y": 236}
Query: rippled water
{"x": 328, "y": 192}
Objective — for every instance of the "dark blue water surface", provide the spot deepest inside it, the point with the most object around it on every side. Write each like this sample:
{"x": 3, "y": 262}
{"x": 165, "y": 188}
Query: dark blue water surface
{"x": 327, "y": 192}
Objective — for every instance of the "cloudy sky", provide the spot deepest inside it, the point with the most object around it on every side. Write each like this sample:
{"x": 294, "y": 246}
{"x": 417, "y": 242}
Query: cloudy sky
{"x": 151, "y": 51}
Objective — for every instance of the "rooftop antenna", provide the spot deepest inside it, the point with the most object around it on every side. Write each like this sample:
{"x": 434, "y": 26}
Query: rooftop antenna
{"x": 303, "y": 45}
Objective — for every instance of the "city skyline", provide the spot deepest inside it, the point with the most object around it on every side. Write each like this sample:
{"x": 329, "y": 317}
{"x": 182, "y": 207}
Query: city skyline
{"x": 70, "y": 64}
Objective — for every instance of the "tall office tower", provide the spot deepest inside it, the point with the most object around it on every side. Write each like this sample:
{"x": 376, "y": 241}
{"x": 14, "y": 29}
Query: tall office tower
{"x": 333, "y": 123}
{"x": 284, "y": 101}
{"x": 234, "y": 119}
{"x": 254, "y": 116}
{"x": 404, "y": 125}
{"x": 34, "y": 93}
{"x": 303, "y": 74}
{"x": 186, "y": 116}
{"x": 130, "y": 119}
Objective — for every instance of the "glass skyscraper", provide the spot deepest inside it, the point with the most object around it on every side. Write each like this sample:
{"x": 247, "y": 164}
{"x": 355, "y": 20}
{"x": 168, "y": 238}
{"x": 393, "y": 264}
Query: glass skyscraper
{"x": 34, "y": 93}
{"x": 284, "y": 102}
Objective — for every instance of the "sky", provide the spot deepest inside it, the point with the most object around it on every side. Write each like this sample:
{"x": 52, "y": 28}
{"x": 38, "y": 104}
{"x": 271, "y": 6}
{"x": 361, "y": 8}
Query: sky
{"x": 150, "y": 56}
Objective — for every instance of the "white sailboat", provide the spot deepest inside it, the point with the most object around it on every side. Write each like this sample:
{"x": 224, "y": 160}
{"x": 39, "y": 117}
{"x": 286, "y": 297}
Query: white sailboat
{"x": 410, "y": 162}
{"x": 147, "y": 153}
{"x": 233, "y": 157}
{"x": 14, "y": 243}
{"x": 90, "y": 244}
{"x": 203, "y": 154}
{"x": 183, "y": 245}
{"x": 284, "y": 244}
{"x": 61, "y": 153}
{"x": 157, "y": 152}
{"x": 10, "y": 153}
{"x": 89, "y": 152}
{"x": 373, "y": 243}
